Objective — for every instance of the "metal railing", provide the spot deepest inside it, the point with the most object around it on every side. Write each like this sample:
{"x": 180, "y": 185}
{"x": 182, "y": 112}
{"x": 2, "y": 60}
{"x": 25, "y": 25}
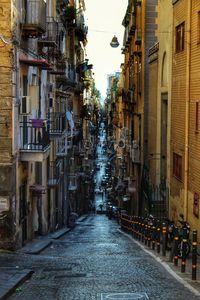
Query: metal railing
{"x": 54, "y": 173}
{"x": 56, "y": 123}
{"x": 51, "y": 30}
{"x": 35, "y": 13}
{"x": 34, "y": 136}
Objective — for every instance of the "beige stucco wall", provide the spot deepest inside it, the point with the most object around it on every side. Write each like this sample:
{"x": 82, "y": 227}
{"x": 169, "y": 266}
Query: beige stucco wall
{"x": 152, "y": 118}
{"x": 164, "y": 86}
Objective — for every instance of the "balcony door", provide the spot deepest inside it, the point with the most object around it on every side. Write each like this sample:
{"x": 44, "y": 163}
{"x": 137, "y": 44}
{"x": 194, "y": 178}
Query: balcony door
{"x": 163, "y": 165}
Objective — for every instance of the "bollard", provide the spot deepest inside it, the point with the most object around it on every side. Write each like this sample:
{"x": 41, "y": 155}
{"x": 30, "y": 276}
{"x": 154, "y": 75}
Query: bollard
{"x": 142, "y": 230}
{"x": 184, "y": 241}
{"x": 153, "y": 237}
{"x": 145, "y": 234}
{"x": 139, "y": 229}
{"x": 194, "y": 254}
{"x": 158, "y": 239}
{"x": 164, "y": 238}
{"x": 149, "y": 236}
{"x": 136, "y": 228}
{"x": 176, "y": 241}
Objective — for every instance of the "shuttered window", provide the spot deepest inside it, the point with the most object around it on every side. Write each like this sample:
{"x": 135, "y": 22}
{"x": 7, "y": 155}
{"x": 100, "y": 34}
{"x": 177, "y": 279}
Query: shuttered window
{"x": 177, "y": 166}
{"x": 180, "y": 30}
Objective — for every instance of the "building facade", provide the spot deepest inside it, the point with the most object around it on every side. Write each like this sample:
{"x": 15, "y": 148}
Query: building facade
{"x": 42, "y": 87}
{"x": 184, "y": 196}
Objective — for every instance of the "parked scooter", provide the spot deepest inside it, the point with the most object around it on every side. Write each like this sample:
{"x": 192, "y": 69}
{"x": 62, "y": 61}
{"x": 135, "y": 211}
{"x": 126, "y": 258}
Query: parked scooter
{"x": 184, "y": 225}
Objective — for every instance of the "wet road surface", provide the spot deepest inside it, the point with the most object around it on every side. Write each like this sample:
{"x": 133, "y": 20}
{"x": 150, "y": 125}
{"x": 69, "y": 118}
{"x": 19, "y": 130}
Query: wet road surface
{"x": 96, "y": 261}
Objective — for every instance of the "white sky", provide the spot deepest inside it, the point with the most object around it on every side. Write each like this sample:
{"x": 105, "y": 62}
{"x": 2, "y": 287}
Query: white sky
{"x": 104, "y": 20}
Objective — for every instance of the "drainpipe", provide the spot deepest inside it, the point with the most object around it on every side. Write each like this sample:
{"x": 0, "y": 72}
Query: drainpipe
{"x": 187, "y": 111}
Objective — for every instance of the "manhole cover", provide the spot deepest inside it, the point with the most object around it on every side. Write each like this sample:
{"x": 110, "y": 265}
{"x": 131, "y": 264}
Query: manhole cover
{"x": 124, "y": 296}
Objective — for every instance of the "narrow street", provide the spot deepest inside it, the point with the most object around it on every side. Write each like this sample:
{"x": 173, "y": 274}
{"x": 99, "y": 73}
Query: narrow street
{"x": 92, "y": 261}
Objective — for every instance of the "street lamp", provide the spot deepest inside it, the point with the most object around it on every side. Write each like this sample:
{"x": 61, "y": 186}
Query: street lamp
{"x": 114, "y": 43}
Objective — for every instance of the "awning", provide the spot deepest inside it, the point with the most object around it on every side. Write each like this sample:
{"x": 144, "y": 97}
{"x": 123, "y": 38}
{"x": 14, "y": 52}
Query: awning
{"x": 54, "y": 72}
{"x": 36, "y": 62}
{"x": 38, "y": 189}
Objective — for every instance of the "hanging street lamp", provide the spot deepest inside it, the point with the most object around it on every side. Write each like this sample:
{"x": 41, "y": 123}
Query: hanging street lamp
{"x": 114, "y": 43}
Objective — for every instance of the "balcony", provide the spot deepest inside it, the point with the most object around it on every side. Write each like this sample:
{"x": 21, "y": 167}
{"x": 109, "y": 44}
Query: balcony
{"x": 66, "y": 82}
{"x": 37, "y": 189}
{"x": 49, "y": 39}
{"x": 79, "y": 88}
{"x": 135, "y": 153}
{"x": 72, "y": 186}
{"x": 61, "y": 3}
{"x": 34, "y": 140}
{"x": 68, "y": 16}
{"x": 54, "y": 172}
{"x": 138, "y": 36}
{"x": 63, "y": 145}
{"x": 60, "y": 69}
{"x": 34, "y": 22}
{"x": 56, "y": 124}
{"x": 81, "y": 30}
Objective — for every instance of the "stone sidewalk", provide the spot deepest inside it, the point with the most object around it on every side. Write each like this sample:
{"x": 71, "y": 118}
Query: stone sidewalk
{"x": 175, "y": 271}
{"x": 12, "y": 277}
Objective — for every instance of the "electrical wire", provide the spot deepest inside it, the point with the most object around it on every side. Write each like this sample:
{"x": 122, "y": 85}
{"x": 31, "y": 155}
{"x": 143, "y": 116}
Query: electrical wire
{"x": 7, "y": 42}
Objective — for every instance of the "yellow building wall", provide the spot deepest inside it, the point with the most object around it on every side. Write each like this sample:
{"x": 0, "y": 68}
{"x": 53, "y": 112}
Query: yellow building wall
{"x": 178, "y": 110}
{"x": 164, "y": 75}
{"x": 194, "y": 138}
{"x": 152, "y": 118}
{"x": 5, "y": 83}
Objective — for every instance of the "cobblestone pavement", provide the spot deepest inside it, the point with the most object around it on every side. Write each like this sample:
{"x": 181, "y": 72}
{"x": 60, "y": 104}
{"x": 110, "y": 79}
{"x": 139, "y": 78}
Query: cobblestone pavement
{"x": 96, "y": 262}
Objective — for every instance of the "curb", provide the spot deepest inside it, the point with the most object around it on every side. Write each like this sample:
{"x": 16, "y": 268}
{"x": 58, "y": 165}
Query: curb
{"x": 56, "y": 235}
{"x": 35, "y": 247}
{"x": 165, "y": 264}
{"x": 5, "y": 294}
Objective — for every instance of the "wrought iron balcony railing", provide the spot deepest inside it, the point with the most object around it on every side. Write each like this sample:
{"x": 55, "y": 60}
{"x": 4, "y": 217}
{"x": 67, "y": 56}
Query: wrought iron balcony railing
{"x": 81, "y": 29}
{"x": 49, "y": 39}
{"x": 54, "y": 173}
{"x": 34, "y": 136}
{"x": 34, "y": 22}
{"x": 56, "y": 123}
{"x": 63, "y": 145}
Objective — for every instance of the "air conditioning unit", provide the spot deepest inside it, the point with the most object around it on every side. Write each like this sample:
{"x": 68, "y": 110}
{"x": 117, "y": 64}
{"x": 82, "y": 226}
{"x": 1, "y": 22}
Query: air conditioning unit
{"x": 135, "y": 153}
{"x": 121, "y": 143}
{"x": 25, "y": 105}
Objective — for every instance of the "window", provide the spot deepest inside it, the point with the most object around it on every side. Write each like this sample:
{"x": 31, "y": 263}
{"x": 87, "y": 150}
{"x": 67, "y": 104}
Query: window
{"x": 177, "y": 166}
{"x": 198, "y": 29}
{"x": 180, "y": 37}
{"x": 38, "y": 172}
{"x": 197, "y": 117}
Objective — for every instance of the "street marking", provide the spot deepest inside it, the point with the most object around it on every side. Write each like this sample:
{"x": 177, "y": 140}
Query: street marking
{"x": 124, "y": 296}
{"x": 165, "y": 265}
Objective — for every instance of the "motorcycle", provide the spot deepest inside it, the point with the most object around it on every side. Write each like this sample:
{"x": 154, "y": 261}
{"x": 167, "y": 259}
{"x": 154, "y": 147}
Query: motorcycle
{"x": 184, "y": 225}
